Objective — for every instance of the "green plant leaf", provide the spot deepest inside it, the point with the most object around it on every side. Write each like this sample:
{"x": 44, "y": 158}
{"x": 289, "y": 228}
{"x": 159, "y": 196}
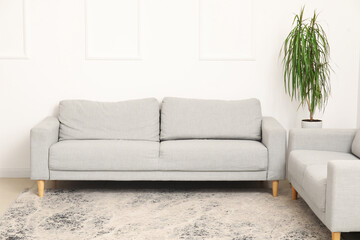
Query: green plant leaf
{"x": 306, "y": 63}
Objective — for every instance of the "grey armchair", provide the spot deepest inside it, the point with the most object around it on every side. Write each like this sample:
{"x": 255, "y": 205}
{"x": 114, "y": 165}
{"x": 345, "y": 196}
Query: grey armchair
{"x": 323, "y": 167}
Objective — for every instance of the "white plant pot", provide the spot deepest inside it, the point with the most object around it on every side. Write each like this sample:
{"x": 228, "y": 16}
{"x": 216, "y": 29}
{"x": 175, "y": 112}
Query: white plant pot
{"x": 313, "y": 124}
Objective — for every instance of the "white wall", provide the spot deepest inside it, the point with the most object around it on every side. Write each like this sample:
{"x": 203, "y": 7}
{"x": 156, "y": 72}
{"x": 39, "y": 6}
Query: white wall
{"x": 358, "y": 108}
{"x": 112, "y": 50}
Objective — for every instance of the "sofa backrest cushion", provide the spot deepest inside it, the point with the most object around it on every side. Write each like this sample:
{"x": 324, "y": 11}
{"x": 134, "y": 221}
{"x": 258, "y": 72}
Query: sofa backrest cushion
{"x": 210, "y": 119}
{"x": 355, "y": 148}
{"x": 127, "y": 120}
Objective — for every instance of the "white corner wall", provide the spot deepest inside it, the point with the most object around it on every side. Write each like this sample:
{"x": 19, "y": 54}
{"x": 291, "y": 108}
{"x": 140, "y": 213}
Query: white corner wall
{"x": 111, "y": 50}
{"x": 358, "y": 107}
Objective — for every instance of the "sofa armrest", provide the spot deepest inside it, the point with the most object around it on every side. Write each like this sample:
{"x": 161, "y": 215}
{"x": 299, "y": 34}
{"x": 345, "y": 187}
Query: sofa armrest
{"x": 337, "y": 140}
{"x": 42, "y": 136}
{"x": 274, "y": 138}
{"x": 343, "y": 196}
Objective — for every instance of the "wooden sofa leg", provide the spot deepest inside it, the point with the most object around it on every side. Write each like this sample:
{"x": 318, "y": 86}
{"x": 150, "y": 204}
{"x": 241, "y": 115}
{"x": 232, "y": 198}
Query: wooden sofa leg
{"x": 294, "y": 193}
{"x": 336, "y": 235}
{"x": 275, "y": 187}
{"x": 41, "y": 187}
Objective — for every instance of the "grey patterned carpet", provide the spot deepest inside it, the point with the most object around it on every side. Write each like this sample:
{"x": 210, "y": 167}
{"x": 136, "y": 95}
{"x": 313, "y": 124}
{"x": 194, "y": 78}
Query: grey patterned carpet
{"x": 107, "y": 210}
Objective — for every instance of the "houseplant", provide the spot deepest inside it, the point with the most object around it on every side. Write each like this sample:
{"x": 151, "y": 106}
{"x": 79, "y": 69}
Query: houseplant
{"x": 306, "y": 66}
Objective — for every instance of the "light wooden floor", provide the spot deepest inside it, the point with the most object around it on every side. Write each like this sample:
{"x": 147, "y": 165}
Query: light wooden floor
{"x": 10, "y": 188}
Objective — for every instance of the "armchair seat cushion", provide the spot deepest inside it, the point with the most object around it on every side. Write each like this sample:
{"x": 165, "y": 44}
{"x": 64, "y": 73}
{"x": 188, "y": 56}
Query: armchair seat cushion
{"x": 300, "y": 160}
{"x": 308, "y": 168}
{"x": 213, "y": 155}
{"x": 314, "y": 184}
{"x": 104, "y": 155}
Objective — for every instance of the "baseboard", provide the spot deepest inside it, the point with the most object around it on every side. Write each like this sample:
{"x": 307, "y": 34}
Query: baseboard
{"x": 14, "y": 172}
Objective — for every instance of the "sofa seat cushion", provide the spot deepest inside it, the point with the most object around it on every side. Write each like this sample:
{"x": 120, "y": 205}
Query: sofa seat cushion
{"x": 299, "y": 160}
{"x": 210, "y": 119}
{"x": 126, "y": 120}
{"x": 104, "y": 155}
{"x": 213, "y": 155}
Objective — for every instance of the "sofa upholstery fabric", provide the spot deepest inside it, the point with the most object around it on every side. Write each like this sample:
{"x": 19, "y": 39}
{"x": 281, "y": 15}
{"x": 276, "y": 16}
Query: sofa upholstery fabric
{"x": 126, "y": 120}
{"x": 42, "y": 136}
{"x": 343, "y": 196}
{"x": 158, "y": 175}
{"x": 326, "y": 174}
{"x": 201, "y": 140}
{"x": 314, "y": 183}
{"x": 274, "y": 139}
{"x": 213, "y": 155}
{"x": 104, "y": 155}
{"x": 334, "y": 140}
{"x": 210, "y": 119}
{"x": 300, "y": 160}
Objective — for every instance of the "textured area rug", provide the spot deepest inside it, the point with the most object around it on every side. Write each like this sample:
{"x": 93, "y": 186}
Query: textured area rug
{"x": 160, "y": 213}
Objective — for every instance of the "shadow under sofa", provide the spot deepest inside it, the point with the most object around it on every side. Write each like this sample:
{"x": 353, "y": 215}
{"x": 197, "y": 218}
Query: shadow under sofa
{"x": 181, "y": 140}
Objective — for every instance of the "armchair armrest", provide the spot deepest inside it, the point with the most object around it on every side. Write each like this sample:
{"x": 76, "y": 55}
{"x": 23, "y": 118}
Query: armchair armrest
{"x": 343, "y": 196}
{"x": 337, "y": 140}
{"x": 274, "y": 138}
{"x": 42, "y": 136}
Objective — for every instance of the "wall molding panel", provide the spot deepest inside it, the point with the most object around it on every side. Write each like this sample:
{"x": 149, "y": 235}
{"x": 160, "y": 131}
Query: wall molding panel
{"x": 226, "y": 37}
{"x": 116, "y": 36}
{"x": 13, "y": 44}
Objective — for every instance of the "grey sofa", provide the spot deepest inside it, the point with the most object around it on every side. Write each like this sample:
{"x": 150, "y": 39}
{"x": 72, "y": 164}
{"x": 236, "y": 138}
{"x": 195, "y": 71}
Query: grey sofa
{"x": 209, "y": 140}
{"x": 324, "y": 168}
